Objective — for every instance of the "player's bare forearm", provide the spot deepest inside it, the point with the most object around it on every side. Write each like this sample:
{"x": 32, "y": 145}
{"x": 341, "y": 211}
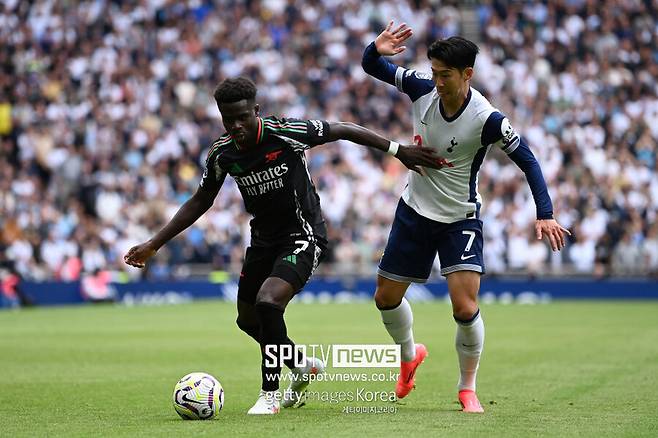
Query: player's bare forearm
{"x": 357, "y": 134}
{"x": 413, "y": 157}
{"x": 189, "y": 213}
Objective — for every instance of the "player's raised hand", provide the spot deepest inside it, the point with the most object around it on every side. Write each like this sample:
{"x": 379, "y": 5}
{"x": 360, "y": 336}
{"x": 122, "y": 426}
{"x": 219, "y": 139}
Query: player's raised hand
{"x": 389, "y": 42}
{"x": 417, "y": 157}
{"x": 139, "y": 254}
{"x": 554, "y": 231}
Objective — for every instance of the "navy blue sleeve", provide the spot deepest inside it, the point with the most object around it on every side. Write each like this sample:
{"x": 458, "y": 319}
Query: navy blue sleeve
{"x": 497, "y": 130}
{"x": 491, "y": 129}
{"x": 527, "y": 162}
{"x": 411, "y": 82}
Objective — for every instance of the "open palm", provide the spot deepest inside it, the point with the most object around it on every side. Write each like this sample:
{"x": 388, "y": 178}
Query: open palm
{"x": 389, "y": 42}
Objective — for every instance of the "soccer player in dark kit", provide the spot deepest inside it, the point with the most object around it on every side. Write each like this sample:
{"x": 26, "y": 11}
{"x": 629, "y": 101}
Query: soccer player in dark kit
{"x": 265, "y": 156}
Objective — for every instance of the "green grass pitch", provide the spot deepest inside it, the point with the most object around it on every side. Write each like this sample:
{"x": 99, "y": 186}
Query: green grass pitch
{"x": 561, "y": 369}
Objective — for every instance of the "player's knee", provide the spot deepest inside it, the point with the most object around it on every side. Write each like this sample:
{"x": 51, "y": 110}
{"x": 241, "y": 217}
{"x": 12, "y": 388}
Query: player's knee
{"x": 275, "y": 292}
{"x": 271, "y": 297}
{"x": 465, "y": 310}
{"x": 248, "y": 326}
{"x": 386, "y": 301}
{"x": 245, "y": 326}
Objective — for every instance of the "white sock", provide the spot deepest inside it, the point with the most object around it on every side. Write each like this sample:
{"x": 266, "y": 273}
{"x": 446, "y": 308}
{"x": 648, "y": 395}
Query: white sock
{"x": 398, "y": 323}
{"x": 469, "y": 342}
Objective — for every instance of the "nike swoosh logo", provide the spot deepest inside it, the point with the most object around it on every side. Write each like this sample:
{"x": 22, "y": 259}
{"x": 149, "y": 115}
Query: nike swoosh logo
{"x": 412, "y": 374}
{"x": 467, "y": 257}
{"x": 185, "y": 398}
{"x": 423, "y": 123}
{"x": 474, "y": 345}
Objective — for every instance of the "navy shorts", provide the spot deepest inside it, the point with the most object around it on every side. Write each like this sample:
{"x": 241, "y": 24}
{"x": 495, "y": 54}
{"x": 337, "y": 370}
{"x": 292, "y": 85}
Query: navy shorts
{"x": 415, "y": 240}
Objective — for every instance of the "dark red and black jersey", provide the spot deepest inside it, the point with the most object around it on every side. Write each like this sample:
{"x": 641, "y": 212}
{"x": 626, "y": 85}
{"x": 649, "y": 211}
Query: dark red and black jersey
{"x": 273, "y": 178}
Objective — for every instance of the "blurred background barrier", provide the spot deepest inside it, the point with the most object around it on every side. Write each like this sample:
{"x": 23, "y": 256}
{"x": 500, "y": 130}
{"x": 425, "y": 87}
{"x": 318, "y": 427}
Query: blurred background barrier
{"x": 521, "y": 291}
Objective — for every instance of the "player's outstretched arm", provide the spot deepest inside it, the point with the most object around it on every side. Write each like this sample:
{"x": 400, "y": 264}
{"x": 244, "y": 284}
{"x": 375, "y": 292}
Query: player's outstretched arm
{"x": 497, "y": 130}
{"x": 390, "y": 43}
{"x": 545, "y": 225}
{"x": 189, "y": 212}
{"x": 413, "y": 157}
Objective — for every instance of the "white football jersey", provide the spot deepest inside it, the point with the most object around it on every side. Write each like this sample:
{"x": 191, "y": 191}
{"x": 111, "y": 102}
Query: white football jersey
{"x": 450, "y": 194}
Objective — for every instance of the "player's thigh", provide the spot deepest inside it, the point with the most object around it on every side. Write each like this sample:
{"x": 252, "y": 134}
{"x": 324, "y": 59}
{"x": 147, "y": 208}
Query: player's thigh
{"x": 460, "y": 246}
{"x": 296, "y": 261}
{"x": 409, "y": 252}
{"x": 258, "y": 263}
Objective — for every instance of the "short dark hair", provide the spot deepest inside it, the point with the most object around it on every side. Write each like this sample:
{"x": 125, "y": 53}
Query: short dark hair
{"x": 235, "y": 90}
{"x": 456, "y": 52}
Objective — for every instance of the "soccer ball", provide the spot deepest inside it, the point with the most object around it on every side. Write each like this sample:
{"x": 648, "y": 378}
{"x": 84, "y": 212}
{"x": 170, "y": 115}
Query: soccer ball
{"x": 198, "y": 396}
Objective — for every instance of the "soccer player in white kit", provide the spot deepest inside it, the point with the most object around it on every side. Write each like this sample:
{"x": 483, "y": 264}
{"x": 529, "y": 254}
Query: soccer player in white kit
{"x": 440, "y": 211}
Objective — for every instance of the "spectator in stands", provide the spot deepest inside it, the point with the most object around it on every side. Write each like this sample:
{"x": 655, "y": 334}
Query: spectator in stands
{"x": 627, "y": 256}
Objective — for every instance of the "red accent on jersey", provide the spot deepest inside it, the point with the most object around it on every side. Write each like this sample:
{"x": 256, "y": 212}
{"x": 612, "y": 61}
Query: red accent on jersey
{"x": 418, "y": 141}
{"x": 444, "y": 163}
{"x": 272, "y": 155}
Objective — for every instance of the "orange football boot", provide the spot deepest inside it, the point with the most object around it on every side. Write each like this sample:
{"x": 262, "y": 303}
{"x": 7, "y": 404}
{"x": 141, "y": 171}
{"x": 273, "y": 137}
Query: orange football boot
{"x": 469, "y": 401}
{"x": 408, "y": 372}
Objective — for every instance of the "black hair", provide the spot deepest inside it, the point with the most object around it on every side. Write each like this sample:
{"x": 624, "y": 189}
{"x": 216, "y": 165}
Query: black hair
{"x": 235, "y": 90}
{"x": 455, "y": 52}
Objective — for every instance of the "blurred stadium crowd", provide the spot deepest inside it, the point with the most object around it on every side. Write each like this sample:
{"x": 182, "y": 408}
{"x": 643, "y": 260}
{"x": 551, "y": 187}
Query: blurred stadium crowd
{"x": 106, "y": 114}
